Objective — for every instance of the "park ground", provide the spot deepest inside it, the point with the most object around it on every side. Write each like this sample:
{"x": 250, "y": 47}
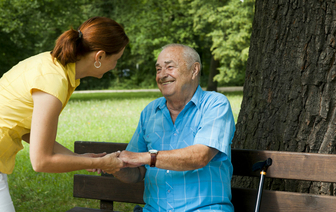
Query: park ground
{"x": 220, "y": 89}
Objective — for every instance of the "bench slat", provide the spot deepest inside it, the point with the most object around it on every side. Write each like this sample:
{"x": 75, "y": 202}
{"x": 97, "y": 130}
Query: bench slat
{"x": 80, "y": 209}
{"x": 82, "y": 147}
{"x": 107, "y": 188}
{"x": 279, "y": 201}
{"x": 287, "y": 165}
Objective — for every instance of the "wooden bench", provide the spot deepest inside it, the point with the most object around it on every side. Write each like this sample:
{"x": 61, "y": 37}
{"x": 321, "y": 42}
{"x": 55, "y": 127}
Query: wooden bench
{"x": 286, "y": 165}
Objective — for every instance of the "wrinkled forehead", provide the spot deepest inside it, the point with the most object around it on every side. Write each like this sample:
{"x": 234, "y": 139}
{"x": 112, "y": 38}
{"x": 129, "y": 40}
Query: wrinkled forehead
{"x": 170, "y": 55}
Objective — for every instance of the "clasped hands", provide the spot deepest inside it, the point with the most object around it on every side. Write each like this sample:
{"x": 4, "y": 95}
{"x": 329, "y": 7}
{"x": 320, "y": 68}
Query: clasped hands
{"x": 113, "y": 162}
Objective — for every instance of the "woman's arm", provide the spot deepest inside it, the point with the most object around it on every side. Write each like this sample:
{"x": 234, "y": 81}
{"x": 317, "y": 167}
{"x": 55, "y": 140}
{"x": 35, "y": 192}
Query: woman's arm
{"x": 59, "y": 148}
{"x": 46, "y": 155}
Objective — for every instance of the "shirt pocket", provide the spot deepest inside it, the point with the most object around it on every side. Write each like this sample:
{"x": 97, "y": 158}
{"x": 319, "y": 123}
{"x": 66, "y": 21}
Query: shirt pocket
{"x": 192, "y": 130}
{"x": 187, "y": 137}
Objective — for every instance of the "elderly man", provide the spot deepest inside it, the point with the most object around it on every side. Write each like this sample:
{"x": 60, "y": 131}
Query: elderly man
{"x": 182, "y": 145}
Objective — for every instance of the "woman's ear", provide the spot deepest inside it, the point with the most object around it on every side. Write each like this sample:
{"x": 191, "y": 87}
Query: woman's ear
{"x": 99, "y": 55}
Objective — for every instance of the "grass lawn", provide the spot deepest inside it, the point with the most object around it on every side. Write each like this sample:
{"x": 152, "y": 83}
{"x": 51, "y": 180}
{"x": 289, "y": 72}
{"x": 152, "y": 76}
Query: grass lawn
{"x": 87, "y": 117}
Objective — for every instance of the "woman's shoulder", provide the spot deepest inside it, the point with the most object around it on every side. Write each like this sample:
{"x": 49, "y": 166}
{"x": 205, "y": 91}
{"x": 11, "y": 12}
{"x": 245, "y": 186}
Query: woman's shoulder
{"x": 37, "y": 59}
{"x": 40, "y": 64}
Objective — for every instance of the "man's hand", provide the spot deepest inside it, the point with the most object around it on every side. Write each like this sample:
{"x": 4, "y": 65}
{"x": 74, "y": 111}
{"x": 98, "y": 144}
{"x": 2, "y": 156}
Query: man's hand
{"x": 111, "y": 163}
{"x": 134, "y": 159}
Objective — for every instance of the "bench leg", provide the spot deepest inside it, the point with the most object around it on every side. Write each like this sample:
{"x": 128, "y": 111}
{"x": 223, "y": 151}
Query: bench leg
{"x": 106, "y": 205}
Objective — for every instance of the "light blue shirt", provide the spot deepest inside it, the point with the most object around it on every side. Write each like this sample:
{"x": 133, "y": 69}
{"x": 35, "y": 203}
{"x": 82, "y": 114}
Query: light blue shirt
{"x": 207, "y": 119}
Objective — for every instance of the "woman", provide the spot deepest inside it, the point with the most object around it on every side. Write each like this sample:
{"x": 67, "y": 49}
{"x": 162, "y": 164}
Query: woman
{"x": 35, "y": 91}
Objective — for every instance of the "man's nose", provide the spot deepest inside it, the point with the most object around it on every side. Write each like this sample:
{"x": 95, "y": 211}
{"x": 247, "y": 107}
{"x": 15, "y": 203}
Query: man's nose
{"x": 162, "y": 73}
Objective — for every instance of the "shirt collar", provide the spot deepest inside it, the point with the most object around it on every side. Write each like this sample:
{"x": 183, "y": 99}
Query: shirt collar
{"x": 70, "y": 69}
{"x": 195, "y": 99}
{"x": 161, "y": 105}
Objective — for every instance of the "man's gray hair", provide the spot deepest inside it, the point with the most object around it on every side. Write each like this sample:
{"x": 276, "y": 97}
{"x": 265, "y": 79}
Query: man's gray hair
{"x": 190, "y": 54}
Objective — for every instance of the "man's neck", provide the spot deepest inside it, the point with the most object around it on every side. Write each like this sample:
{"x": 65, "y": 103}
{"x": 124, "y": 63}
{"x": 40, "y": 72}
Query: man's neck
{"x": 175, "y": 106}
{"x": 174, "y": 110}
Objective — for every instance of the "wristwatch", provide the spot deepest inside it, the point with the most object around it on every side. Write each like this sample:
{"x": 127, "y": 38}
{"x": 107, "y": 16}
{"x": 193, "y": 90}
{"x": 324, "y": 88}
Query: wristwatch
{"x": 153, "y": 153}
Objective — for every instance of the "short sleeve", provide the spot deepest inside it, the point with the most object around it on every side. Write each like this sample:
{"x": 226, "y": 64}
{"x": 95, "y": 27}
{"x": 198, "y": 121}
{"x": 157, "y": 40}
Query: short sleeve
{"x": 54, "y": 84}
{"x": 217, "y": 126}
{"x": 137, "y": 143}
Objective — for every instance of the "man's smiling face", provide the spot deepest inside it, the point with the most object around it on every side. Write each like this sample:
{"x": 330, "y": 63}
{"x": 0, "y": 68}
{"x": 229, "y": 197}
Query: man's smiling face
{"x": 172, "y": 75}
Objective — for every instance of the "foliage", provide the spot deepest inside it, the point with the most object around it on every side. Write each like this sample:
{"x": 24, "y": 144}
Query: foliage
{"x": 221, "y": 28}
{"x": 212, "y": 27}
{"x": 155, "y": 24}
{"x": 28, "y": 27}
{"x": 229, "y": 25}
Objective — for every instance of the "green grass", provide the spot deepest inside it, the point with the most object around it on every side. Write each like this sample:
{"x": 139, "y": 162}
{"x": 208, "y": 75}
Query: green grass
{"x": 87, "y": 117}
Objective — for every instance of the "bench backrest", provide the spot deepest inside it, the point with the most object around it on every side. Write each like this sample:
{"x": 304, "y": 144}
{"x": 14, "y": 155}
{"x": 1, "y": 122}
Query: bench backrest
{"x": 286, "y": 165}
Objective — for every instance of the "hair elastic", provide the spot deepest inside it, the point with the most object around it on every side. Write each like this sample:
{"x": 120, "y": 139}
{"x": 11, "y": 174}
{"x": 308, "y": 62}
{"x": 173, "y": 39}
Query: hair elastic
{"x": 80, "y": 34}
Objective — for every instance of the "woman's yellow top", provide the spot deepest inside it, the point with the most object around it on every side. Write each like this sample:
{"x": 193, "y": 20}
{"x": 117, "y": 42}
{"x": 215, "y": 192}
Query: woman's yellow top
{"x": 16, "y": 102}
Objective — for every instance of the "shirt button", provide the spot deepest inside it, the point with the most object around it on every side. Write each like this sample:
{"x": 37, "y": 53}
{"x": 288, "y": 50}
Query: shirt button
{"x": 168, "y": 191}
{"x": 167, "y": 171}
{"x": 175, "y": 134}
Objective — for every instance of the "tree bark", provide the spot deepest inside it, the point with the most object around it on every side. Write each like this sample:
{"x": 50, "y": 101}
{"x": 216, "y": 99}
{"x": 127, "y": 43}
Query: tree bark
{"x": 214, "y": 64}
{"x": 289, "y": 101}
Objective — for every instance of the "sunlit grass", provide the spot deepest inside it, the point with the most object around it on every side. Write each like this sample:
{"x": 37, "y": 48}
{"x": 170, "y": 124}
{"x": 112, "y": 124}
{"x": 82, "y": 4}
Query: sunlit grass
{"x": 235, "y": 99}
{"x": 87, "y": 117}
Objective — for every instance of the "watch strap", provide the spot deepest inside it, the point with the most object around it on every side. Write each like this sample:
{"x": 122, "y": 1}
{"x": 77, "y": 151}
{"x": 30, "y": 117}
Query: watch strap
{"x": 153, "y": 159}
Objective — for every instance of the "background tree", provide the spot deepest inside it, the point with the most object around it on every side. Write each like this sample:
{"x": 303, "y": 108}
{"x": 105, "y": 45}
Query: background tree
{"x": 196, "y": 23}
{"x": 227, "y": 27}
{"x": 151, "y": 24}
{"x": 289, "y": 101}
{"x": 30, "y": 27}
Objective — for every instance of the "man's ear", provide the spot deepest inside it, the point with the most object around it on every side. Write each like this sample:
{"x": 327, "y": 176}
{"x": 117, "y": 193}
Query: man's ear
{"x": 196, "y": 68}
{"x": 99, "y": 55}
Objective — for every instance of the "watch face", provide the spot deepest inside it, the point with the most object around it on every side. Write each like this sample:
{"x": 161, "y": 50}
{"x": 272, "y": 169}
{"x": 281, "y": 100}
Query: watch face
{"x": 153, "y": 151}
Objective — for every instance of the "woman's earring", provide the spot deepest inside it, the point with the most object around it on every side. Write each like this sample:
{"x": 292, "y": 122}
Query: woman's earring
{"x": 97, "y": 66}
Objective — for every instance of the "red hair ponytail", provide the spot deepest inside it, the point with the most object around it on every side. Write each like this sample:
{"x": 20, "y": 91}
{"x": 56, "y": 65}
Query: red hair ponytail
{"x": 97, "y": 33}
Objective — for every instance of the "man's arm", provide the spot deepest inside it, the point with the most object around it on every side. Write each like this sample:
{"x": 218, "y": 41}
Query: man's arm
{"x": 131, "y": 175}
{"x": 189, "y": 158}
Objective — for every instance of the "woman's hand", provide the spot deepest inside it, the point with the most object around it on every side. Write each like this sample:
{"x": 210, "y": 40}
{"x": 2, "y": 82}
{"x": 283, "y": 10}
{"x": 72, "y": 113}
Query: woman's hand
{"x": 93, "y": 155}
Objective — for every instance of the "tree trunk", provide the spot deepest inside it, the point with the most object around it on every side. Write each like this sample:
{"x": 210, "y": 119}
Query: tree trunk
{"x": 289, "y": 101}
{"x": 212, "y": 85}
